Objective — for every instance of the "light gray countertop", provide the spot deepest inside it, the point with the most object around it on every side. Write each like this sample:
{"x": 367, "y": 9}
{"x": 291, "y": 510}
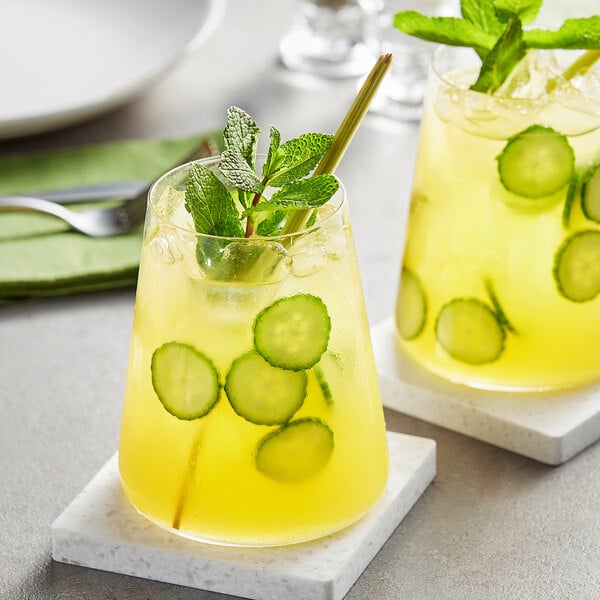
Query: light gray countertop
{"x": 493, "y": 525}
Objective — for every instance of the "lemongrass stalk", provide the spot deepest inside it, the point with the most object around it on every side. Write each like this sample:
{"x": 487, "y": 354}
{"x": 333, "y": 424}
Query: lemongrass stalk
{"x": 188, "y": 478}
{"x": 343, "y": 136}
{"x": 581, "y": 65}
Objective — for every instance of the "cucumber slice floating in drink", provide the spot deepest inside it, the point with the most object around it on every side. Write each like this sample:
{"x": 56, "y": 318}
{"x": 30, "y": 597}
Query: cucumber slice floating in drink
{"x": 293, "y": 332}
{"x": 295, "y": 451}
{"x": 264, "y": 394}
{"x": 185, "y": 380}
{"x": 470, "y": 331}
{"x": 577, "y": 266}
{"x": 590, "y": 193}
{"x": 411, "y": 308}
{"x": 537, "y": 162}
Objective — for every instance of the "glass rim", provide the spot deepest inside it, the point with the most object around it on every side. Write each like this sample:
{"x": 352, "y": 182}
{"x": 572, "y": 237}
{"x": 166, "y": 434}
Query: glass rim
{"x": 442, "y": 76}
{"x": 253, "y": 238}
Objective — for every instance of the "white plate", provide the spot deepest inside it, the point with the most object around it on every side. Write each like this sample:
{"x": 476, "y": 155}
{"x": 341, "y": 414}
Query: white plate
{"x": 62, "y": 61}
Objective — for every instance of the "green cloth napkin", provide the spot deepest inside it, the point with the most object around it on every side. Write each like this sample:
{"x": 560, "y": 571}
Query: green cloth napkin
{"x": 39, "y": 255}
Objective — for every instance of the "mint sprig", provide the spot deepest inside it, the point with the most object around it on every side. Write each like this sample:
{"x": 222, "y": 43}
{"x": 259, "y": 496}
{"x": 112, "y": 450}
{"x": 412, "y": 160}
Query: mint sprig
{"x": 574, "y": 34}
{"x": 237, "y": 171}
{"x": 494, "y": 29}
{"x": 241, "y": 133}
{"x": 220, "y": 204}
{"x": 211, "y": 205}
{"x": 451, "y": 31}
{"x": 297, "y": 158}
{"x": 501, "y": 60}
{"x": 525, "y": 10}
{"x": 305, "y": 193}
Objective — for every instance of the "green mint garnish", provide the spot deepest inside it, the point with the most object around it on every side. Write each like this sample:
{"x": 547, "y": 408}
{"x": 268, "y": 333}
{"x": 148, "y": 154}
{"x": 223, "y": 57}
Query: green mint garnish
{"x": 273, "y": 223}
{"x": 305, "y": 193}
{"x": 574, "y": 34}
{"x": 272, "y": 163}
{"x": 235, "y": 168}
{"x": 501, "y": 60}
{"x": 451, "y": 31}
{"x": 219, "y": 205}
{"x": 241, "y": 133}
{"x": 297, "y": 158}
{"x": 525, "y": 10}
{"x": 211, "y": 205}
{"x": 494, "y": 29}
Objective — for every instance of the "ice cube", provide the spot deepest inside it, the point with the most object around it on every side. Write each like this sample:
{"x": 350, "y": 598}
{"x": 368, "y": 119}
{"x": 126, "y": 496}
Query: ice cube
{"x": 530, "y": 78}
{"x": 164, "y": 245}
{"x": 170, "y": 206}
{"x": 311, "y": 252}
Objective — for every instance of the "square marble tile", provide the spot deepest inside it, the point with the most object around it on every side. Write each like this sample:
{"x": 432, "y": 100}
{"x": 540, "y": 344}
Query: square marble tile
{"x": 548, "y": 427}
{"x": 101, "y": 530}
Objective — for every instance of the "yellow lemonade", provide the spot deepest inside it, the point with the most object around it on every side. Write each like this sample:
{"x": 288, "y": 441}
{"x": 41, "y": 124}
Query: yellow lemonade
{"x": 501, "y": 268}
{"x": 252, "y": 470}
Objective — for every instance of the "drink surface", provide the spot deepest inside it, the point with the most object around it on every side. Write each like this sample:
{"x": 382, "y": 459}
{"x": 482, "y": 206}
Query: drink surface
{"x": 482, "y": 299}
{"x": 204, "y": 477}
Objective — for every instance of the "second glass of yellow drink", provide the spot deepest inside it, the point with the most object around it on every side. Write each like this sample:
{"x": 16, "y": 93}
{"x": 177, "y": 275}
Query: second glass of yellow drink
{"x": 501, "y": 270}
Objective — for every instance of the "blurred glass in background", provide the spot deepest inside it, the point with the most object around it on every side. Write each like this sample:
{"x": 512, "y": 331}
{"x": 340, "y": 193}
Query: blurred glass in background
{"x": 400, "y": 95}
{"x": 326, "y": 39}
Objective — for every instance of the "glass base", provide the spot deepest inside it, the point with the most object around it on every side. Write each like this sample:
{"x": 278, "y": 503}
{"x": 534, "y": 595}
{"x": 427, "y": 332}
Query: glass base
{"x": 248, "y": 544}
{"x": 488, "y": 384}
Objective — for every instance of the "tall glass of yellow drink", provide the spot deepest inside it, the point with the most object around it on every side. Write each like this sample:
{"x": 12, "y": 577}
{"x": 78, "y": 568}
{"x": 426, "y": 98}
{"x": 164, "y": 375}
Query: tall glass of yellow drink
{"x": 501, "y": 270}
{"x": 252, "y": 413}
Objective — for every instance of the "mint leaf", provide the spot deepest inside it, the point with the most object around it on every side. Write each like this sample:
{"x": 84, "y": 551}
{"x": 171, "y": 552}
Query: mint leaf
{"x": 296, "y": 158}
{"x": 526, "y": 10}
{"x": 574, "y": 34}
{"x": 502, "y": 59}
{"x": 241, "y": 133}
{"x": 273, "y": 223}
{"x": 212, "y": 207}
{"x": 483, "y": 14}
{"x": 445, "y": 30}
{"x": 271, "y": 164}
{"x": 304, "y": 193}
{"x": 237, "y": 171}
{"x": 243, "y": 198}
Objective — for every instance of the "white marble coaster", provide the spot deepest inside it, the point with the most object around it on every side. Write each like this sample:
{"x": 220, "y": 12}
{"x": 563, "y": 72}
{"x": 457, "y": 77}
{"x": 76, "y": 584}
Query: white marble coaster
{"x": 549, "y": 427}
{"x": 100, "y": 529}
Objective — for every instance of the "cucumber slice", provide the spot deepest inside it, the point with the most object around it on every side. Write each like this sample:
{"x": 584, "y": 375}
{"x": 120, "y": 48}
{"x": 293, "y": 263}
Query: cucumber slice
{"x": 295, "y": 451}
{"x": 185, "y": 380}
{"x": 590, "y": 193}
{"x": 264, "y": 394}
{"x": 411, "y": 308}
{"x": 536, "y": 162}
{"x": 470, "y": 331}
{"x": 293, "y": 332}
{"x": 577, "y": 266}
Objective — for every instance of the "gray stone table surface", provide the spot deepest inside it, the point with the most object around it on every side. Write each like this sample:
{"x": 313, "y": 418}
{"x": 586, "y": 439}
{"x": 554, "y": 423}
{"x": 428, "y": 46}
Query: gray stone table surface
{"x": 493, "y": 525}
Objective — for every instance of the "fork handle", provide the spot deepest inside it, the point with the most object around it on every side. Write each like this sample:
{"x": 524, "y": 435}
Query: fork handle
{"x": 29, "y": 204}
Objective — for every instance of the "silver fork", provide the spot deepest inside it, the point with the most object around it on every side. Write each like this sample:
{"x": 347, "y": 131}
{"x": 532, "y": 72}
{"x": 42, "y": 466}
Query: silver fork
{"x": 97, "y": 222}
